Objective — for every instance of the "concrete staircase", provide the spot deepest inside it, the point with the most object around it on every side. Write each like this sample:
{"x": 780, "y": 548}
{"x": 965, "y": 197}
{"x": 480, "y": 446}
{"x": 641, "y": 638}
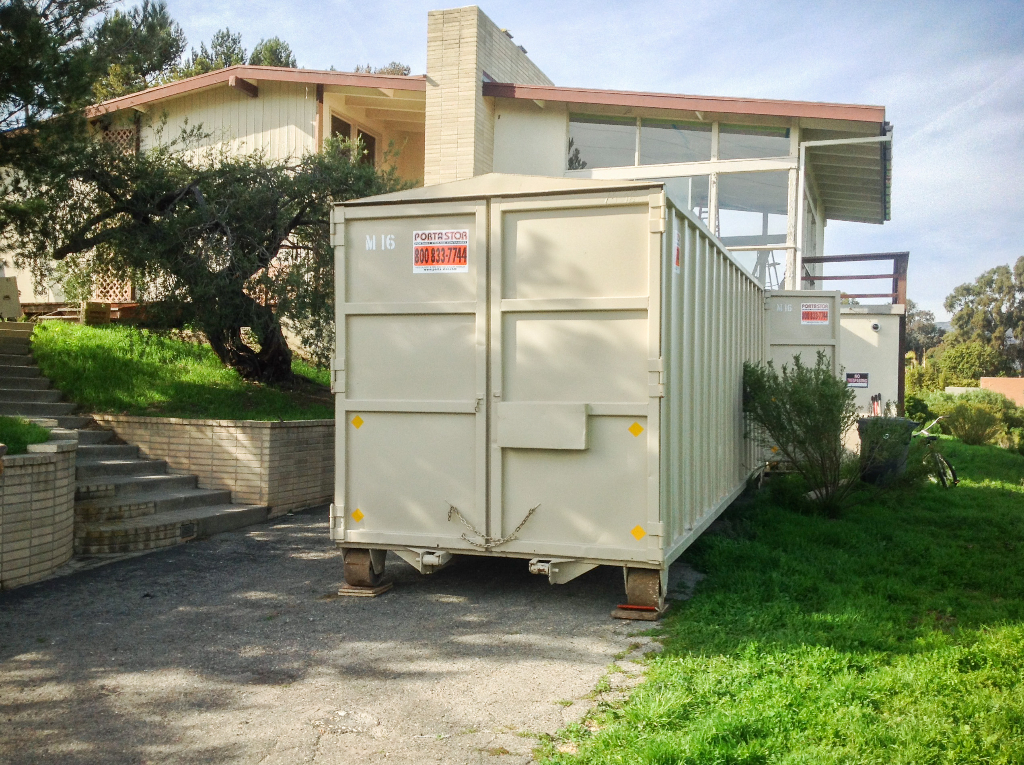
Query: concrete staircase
{"x": 123, "y": 502}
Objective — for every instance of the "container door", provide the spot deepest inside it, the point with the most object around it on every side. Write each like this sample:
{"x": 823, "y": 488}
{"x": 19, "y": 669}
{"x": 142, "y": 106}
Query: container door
{"x": 574, "y": 442}
{"x": 802, "y": 322}
{"x": 412, "y": 374}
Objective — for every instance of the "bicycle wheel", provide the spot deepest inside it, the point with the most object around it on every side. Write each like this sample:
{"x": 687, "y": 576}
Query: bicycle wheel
{"x": 940, "y": 469}
{"x": 951, "y": 475}
{"x": 944, "y": 471}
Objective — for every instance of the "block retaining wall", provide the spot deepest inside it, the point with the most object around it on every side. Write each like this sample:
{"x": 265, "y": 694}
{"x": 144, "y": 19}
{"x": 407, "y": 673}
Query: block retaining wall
{"x": 283, "y": 465}
{"x": 37, "y": 512}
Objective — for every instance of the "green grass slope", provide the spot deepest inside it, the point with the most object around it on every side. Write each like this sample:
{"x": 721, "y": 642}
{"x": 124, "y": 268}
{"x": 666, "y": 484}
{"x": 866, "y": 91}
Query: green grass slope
{"x": 892, "y": 636}
{"x": 130, "y": 371}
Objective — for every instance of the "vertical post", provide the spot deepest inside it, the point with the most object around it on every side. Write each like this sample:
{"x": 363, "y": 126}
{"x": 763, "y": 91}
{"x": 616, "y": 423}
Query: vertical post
{"x": 901, "y": 379}
{"x": 798, "y": 259}
{"x": 636, "y": 150}
{"x": 318, "y": 128}
{"x": 713, "y": 181}
{"x": 899, "y": 277}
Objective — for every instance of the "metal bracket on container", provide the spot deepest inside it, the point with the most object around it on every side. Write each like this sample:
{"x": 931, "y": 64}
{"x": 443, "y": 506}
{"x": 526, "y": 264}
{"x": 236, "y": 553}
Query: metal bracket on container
{"x": 338, "y": 375}
{"x": 425, "y": 561}
{"x": 559, "y": 570}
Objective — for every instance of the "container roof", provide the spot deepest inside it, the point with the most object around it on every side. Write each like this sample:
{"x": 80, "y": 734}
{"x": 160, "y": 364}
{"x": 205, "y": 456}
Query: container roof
{"x": 501, "y": 185}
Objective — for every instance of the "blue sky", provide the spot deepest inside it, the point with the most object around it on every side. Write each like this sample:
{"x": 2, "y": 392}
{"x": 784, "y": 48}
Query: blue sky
{"x": 950, "y": 74}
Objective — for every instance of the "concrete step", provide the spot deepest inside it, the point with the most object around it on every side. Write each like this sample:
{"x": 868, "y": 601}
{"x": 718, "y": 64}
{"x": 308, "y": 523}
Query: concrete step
{"x": 123, "y": 508}
{"x": 96, "y": 471}
{"x": 93, "y": 452}
{"x": 16, "y": 360}
{"x": 28, "y": 394}
{"x": 163, "y": 529}
{"x": 74, "y": 421}
{"x": 11, "y": 346}
{"x": 24, "y": 383}
{"x": 19, "y": 370}
{"x": 16, "y": 328}
{"x": 88, "y": 437}
{"x": 36, "y": 409}
{"x": 132, "y": 485}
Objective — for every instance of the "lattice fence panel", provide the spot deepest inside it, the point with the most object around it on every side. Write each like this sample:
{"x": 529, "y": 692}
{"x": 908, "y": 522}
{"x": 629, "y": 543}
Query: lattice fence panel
{"x": 108, "y": 289}
{"x": 122, "y": 139}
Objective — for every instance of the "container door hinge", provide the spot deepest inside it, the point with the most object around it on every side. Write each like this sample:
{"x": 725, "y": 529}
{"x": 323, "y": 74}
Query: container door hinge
{"x": 338, "y": 375}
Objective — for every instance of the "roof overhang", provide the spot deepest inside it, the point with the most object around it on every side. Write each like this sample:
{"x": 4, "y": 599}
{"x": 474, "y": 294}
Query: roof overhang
{"x": 852, "y": 181}
{"x": 710, "y": 104}
{"x": 244, "y": 73}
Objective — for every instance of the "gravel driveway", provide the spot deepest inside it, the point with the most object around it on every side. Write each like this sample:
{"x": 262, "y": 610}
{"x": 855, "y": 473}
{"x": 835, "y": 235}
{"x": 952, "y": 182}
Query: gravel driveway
{"x": 237, "y": 650}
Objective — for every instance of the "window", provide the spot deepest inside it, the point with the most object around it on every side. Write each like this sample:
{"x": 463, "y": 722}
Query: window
{"x": 752, "y": 142}
{"x": 601, "y": 142}
{"x": 369, "y": 146}
{"x": 692, "y": 191}
{"x": 664, "y": 141}
{"x": 339, "y": 127}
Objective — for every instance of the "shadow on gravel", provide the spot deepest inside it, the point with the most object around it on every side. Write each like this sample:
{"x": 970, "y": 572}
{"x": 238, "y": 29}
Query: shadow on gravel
{"x": 139, "y": 660}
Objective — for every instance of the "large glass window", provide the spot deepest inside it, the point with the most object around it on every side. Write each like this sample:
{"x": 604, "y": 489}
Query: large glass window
{"x": 601, "y": 142}
{"x": 751, "y": 142}
{"x": 664, "y": 141}
{"x": 690, "y": 191}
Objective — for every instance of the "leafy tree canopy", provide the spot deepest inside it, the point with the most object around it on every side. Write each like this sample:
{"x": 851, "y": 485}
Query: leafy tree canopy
{"x": 395, "y": 67}
{"x": 990, "y": 311}
{"x": 135, "y": 49}
{"x": 225, "y": 50}
{"x": 922, "y": 332}
{"x": 47, "y": 69}
{"x": 219, "y": 242}
{"x": 273, "y": 52}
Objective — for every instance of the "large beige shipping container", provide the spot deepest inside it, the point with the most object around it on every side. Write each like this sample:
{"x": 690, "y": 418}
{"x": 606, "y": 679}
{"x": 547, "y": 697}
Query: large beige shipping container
{"x": 538, "y": 368}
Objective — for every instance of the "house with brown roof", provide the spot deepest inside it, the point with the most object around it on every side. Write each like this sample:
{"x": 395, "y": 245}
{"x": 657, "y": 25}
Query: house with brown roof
{"x": 765, "y": 175}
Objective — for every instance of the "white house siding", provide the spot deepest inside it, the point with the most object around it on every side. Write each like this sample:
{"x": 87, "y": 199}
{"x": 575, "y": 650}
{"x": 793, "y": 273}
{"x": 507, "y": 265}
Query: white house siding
{"x": 280, "y": 122}
{"x": 530, "y": 139}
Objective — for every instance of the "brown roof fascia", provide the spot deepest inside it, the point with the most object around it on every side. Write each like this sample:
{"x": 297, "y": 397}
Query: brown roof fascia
{"x": 715, "y": 104}
{"x": 266, "y": 73}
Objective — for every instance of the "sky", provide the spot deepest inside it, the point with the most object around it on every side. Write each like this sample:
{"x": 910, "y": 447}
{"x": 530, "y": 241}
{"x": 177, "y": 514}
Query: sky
{"x": 950, "y": 75}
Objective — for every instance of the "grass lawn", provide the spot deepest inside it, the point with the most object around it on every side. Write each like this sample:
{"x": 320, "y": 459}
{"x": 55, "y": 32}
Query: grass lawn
{"x": 894, "y": 635}
{"x": 121, "y": 369}
{"x": 18, "y": 434}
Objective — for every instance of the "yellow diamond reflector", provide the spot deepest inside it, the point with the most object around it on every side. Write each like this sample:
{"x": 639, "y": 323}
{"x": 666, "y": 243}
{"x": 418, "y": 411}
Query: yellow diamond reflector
{"x": 357, "y": 421}
{"x": 639, "y": 533}
{"x": 636, "y": 429}
{"x": 358, "y": 516}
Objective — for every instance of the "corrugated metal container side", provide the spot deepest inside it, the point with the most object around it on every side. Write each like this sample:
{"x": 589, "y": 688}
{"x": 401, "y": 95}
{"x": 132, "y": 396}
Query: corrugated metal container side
{"x": 569, "y": 393}
{"x": 714, "y": 325}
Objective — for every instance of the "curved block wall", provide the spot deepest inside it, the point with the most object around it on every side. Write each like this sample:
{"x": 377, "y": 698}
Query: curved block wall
{"x": 37, "y": 512}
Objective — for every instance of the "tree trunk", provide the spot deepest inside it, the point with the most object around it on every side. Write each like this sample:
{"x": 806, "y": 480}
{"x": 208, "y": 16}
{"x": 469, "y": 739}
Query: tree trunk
{"x": 271, "y": 364}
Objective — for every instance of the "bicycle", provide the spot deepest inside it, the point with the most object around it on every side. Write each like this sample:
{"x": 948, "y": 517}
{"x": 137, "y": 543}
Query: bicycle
{"x": 944, "y": 471}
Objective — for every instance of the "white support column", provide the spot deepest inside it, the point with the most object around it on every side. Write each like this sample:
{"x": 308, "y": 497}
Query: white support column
{"x": 713, "y": 181}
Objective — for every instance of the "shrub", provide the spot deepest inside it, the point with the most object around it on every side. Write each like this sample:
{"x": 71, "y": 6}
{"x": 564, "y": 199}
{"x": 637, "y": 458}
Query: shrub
{"x": 916, "y": 409}
{"x": 978, "y": 414}
{"x": 17, "y": 434}
{"x": 972, "y": 423}
{"x": 804, "y": 412}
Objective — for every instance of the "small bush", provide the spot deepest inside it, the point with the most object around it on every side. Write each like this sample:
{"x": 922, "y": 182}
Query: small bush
{"x": 974, "y": 424}
{"x": 916, "y": 409}
{"x": 977, "y": 414}
{"x": 17, "y": 434}
{"x": 804, "y": 412}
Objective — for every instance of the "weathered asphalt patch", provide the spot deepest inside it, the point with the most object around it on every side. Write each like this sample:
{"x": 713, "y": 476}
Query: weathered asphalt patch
{"x": 231, "y": 650}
